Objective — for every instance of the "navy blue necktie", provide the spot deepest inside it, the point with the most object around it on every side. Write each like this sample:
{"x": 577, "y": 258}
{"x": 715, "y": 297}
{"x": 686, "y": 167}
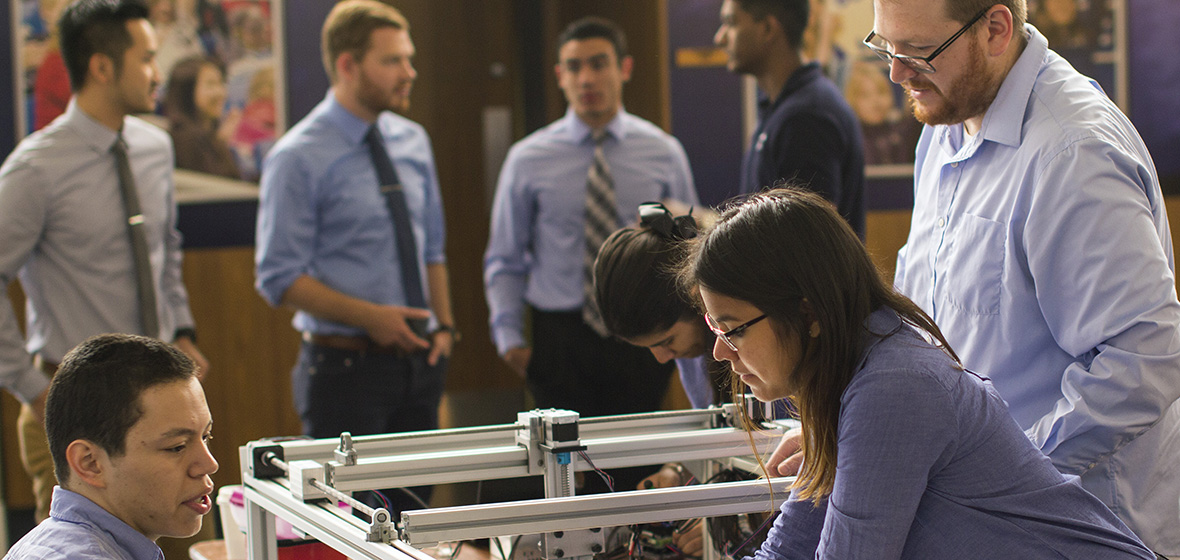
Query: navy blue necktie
{"x": 399, "y": 213}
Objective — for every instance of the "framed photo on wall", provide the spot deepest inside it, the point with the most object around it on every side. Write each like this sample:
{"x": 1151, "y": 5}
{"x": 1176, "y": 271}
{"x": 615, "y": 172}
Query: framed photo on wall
{"x": 221, "y": 92}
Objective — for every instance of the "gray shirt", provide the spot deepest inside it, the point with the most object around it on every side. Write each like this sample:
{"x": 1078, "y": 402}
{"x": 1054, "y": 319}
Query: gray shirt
{"x": 63, "y": 229}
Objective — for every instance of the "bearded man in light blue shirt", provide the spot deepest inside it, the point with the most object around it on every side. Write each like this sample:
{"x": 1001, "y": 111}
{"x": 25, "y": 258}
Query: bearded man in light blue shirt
{"x": 1040, "y": 245}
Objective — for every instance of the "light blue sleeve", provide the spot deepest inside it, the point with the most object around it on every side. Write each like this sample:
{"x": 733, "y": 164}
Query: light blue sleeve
{"x": 436, "y": 225}
{"x": 286, "y": 229}
{"x": 1107, "y": 290}
{"x": 507, "y": 259}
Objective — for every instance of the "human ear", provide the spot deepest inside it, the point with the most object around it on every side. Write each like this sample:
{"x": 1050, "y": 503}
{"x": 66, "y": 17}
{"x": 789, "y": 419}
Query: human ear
{"x": 87, "y": 462}
{"x": 999, "y": 30}
{"x": 346, "y": 65}
{"x": 625, "y": 67}
{"x": 101, "y": 68}
{"x": 809, "y": 318}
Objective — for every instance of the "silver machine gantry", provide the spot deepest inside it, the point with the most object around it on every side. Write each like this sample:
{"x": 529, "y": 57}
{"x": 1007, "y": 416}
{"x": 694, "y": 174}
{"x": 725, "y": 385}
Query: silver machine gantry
{"x": 300, "y": 481}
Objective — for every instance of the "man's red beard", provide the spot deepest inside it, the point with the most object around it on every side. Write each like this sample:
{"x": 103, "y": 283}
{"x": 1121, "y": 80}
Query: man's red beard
{"x": 974, "y": 90}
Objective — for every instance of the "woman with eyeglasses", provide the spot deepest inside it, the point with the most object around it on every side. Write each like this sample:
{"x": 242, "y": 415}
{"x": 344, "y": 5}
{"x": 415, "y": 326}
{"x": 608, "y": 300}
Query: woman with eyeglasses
{"x": 907, "y": 455}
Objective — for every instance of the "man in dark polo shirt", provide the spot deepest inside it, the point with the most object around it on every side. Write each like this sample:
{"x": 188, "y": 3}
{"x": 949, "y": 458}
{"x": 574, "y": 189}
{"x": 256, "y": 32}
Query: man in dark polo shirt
{"x": 806, "y": 131}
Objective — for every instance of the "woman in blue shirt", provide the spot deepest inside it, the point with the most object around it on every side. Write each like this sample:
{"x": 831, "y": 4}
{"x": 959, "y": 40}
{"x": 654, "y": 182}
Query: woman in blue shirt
{"x": 907, "y": 454}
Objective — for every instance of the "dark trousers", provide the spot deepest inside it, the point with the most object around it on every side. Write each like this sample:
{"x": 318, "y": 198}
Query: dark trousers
{"x": 365, "y": 393}
{"x": 573, "y": 368}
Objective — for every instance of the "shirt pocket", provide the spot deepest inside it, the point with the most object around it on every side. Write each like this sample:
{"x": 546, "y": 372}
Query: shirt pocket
{"x": 973, "y": 266}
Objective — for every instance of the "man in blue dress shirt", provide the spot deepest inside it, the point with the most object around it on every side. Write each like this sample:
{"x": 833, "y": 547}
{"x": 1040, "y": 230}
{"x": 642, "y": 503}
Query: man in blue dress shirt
{"x": 1040, "y": 245}
{"x": 129, "y": 433}
{"x": 331, "y": 245}
{"x": 806, "y": 131}
{"x": 64, "y": 227}
{"x": 536, "y": 254}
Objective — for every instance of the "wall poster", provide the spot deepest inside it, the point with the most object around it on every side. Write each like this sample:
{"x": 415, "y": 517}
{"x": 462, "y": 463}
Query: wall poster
{"x": 221, "y": 85}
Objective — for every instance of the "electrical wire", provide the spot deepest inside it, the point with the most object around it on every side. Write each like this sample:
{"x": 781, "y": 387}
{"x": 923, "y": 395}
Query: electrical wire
{"x": 610, "y": 481}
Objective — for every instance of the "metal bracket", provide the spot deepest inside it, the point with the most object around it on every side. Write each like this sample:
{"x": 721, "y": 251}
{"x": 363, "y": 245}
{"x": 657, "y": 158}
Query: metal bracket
{"x": 301, "y": 474}
{"x": 260, "y": 465}
{"x": 382, "y": 528}
{"x": 345, "y": 454}
{"x": 563, "y": 544}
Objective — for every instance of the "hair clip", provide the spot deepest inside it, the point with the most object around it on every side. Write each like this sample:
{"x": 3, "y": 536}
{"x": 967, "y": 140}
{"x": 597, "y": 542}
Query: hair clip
{"x": 656, "y": 217}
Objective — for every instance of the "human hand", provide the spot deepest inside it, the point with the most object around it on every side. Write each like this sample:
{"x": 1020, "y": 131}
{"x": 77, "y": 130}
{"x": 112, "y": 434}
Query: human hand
{"x": 229, "y": 125}
{"x": 518, "y": 359}
{"x": 38, "y": 405}
{"x": 443, "y": 343}
{"x": 669, "y": 476}
{"x": 788, "y": 456}
{"x": 186, "y": 345}
{"x": 388, "y": 326}
{"x": 689, "y": 538}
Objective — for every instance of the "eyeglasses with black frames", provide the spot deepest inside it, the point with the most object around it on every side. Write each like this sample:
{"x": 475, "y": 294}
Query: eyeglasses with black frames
{"x": 734, "y": 332}
{"x": 921, "y": 64}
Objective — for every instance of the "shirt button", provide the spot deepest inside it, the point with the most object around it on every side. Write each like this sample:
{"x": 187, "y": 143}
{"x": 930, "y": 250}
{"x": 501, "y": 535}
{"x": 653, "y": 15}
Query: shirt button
{"x": 942, "y": 222}
{"x": 955, "y": 164}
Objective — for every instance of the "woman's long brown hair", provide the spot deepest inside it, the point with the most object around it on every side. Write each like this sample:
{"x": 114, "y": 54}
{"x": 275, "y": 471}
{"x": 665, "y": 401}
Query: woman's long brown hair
{"x": 790, "y": 254}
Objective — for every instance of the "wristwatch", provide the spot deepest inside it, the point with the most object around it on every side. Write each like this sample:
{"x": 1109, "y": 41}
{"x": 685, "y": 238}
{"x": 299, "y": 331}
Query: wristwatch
{"x": 455, "y": 334}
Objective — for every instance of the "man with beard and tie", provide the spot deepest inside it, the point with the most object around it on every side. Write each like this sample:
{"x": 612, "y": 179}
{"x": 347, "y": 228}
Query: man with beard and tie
{"x": 88, "y": 219}
{"x": 1040, "y": 245}
{"x": 351, "y": 236}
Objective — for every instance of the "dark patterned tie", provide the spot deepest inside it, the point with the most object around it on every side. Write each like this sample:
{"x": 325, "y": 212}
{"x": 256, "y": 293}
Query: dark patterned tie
{"x": 149, "y": 319}
{"x": 601, "y": 221}
{"x": 399, "y": 213}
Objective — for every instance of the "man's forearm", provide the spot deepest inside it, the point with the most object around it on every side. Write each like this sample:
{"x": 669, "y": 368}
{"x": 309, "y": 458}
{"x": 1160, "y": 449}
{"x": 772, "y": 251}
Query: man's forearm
{"x": 440, "y": 293}
{"x": 311, "y": 296}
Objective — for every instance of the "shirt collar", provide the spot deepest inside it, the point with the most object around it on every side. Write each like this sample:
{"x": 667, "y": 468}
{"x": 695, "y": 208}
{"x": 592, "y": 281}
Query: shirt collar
{"x": 93, "y": 133}
{"x": 877, "y": 327}
{"x": 802, "y": 76}
{"x": 578, "y": 131}
{"x": 353, "y": 127}
{"x": 72, "y": 507}
{"x": 1004, "y": 121}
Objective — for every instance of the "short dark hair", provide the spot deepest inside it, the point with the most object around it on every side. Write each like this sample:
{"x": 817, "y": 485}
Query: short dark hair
{"x": 90, "y": 27}
{"x": 595, "y": 28}
{"x": 635, "y": 285}
{"x": 95, "y": 394}
{"x": 792, "y": 15}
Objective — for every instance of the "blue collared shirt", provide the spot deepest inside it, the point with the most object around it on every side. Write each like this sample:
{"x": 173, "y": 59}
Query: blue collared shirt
{"x": 1041, "y": 248}
{"x": 536, "y": 248}
{"x": 64, "y": 231}
{"x": 321, "y": 213}
{"x": 931, "y": 465}
{"x": 79, "y": 528}
{"x": 695, "y": 378}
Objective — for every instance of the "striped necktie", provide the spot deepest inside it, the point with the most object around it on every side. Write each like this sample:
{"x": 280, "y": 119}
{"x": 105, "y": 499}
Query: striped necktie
{"x": 601, "y": 221}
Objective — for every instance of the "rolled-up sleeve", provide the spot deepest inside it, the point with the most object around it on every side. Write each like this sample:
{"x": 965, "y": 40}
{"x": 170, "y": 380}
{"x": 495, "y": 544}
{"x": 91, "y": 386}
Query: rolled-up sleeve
{"x": 286, "y": 227}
